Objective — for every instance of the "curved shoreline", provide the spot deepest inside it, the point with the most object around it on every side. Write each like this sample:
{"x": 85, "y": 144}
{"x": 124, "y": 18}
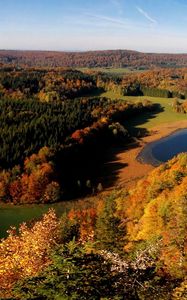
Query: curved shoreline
{"x": 146, "y": 154}
{"x": 136, "y": 169}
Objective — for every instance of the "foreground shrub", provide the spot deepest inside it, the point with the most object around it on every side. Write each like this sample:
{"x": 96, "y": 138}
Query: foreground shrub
{"x": 27, "y": 253}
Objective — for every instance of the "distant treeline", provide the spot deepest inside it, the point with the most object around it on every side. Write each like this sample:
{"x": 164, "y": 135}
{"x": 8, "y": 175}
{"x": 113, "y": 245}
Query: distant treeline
{"x": 109, "y": 58}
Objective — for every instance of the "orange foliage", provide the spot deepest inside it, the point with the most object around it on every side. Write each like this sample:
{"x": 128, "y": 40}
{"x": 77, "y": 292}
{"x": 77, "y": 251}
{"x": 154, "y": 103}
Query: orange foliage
{"x": 27, "y": 253}
{"x": 86, "y": 219}
{"x": 34, "y": 185}
{"x": 78, "y": 136}
{"x": 171, "y": 79}
{"x": 155, "y": 211}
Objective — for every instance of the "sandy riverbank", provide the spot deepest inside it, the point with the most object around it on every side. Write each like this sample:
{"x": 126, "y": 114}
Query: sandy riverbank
{"x": 135, "y": 170}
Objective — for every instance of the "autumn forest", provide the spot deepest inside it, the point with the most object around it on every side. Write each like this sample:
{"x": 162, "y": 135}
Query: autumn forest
{"x": 62, "y": 114}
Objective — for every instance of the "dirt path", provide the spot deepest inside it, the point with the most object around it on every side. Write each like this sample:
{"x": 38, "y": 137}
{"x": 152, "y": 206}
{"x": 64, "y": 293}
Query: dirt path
{"x": 135, "y": 170}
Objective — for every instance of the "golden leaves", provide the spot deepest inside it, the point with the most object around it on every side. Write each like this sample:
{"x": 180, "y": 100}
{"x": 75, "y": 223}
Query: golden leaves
{"x": 27, "y": 253}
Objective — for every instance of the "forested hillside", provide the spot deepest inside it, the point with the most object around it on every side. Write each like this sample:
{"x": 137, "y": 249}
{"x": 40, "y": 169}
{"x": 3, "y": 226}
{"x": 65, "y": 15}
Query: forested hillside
{"x": 110, "y": 58}
{"x": 49, "y": 150}
{"x": 130, "y": 245}
{"x": 52, "y": 109}
{"x": 54, "y": 135}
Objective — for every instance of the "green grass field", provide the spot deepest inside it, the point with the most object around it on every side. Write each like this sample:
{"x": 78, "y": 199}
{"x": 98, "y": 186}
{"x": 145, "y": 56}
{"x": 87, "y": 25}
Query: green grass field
{"x": 150, "y": 120}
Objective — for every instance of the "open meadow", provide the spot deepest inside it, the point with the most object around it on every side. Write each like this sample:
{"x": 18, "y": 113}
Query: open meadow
{"x": 165, "y": 114}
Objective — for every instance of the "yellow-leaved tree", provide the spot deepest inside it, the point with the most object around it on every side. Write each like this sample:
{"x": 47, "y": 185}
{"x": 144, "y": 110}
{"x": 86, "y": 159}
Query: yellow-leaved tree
{"x": 155, "y": 213}
{"x": 27, "y": 253}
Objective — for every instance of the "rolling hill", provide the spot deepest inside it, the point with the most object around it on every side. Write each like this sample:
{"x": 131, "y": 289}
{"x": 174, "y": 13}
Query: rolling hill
{"x": 106, "y": 58}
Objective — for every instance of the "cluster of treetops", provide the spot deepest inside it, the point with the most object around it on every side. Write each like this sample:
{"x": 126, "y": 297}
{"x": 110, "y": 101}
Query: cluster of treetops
{"x": 58, "y": 84}
{"x": 48, "y": 150}
{"x": 110, "y": 58}
{"x": 179, "y": 106}
{"x": 127, "y": 245}
{"x": 164, "y": 83}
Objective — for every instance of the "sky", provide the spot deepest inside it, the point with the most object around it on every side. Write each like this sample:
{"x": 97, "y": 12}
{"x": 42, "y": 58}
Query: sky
{"x": 80, "y": 25}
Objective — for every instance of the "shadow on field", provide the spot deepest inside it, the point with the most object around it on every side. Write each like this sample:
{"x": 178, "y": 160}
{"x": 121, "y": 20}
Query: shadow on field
{"x": 110, "y": 167}
{"x": 98, "y": 163}
{"x": 97, "y": 92}
{"x": 132, "y": 124}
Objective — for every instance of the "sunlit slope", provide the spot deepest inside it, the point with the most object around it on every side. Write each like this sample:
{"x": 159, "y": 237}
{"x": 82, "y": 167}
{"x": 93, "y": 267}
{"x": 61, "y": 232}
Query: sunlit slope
{"x": 155, "y": 213}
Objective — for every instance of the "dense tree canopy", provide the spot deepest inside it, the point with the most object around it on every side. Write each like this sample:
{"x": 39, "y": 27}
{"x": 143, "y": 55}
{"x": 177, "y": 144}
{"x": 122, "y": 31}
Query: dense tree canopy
{"x": 156, "y": 214}
{"x": 70, "y": 131}
{"x": 58, "y": 85}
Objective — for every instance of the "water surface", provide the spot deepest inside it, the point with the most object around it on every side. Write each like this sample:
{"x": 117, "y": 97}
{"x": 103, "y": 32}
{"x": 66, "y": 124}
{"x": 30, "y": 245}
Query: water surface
{"x": 164, "y": 149}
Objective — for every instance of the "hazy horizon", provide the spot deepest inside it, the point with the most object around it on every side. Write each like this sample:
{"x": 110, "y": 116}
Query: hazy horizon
{"x": 90, "y": 50}
{"x": 59, "y": 25}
